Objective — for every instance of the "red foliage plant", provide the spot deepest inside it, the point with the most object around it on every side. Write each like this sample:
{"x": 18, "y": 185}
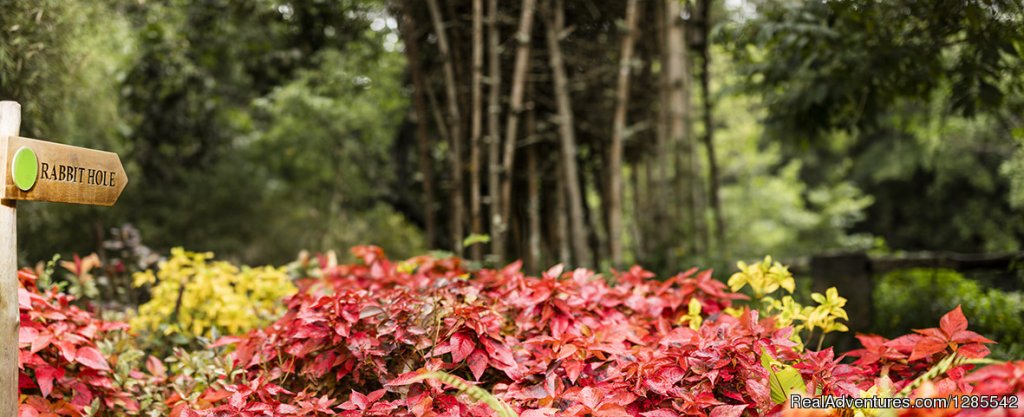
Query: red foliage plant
{"x": 566, "y": 343}
{"x": 62, "y": 371}
{"x": 359, "y": 340}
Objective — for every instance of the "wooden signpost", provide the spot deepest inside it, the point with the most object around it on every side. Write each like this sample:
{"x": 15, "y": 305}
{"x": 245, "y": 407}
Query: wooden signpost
{"x": 43, "y": 171}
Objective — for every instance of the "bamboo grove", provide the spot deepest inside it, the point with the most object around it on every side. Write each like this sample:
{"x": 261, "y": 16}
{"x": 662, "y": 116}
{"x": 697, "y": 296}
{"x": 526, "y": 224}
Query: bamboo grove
{"x": 531, "y": 131}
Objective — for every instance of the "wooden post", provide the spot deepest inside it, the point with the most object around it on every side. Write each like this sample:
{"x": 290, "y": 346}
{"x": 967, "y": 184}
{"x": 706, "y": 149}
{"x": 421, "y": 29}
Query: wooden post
{"x": 10, "y": 124}
{"x": 37, "y": 170}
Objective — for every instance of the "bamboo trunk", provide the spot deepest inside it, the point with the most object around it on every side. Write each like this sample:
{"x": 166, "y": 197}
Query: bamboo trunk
{"x": 422, "y": 136}
{"x": 533, "y": 211}
{"x": 658, "y": 191}
{"x": 562, "y": 219}
{"x": 533, "y": 189}
{"x": 519, "y": 73}
{"x": 493, "y": 124}
{"x": 567, "y": 134}
{"x": 618, "y": 133}
{"x": 476, "y": 126}
{"x": 687, "y": 210}
{"x": 455, "y": 127}
{"x": 709, "y": 130}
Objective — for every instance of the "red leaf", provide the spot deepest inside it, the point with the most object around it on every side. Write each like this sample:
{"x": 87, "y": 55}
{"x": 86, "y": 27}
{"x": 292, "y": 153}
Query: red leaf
{"x": 359, "y": 400}
{"x": 419, "y": 406}
{"x": 212, "y": 395}
{"x": 589, "y": 398}
{"x": 236, "y": 400}
{"x": 25, "y": 410}
{"x": 554, "y": 272}
{"x": 499, "y": 353}
{"x": 376, "y": 395}
{"x": 967, "y": 336}
{"x": 611, "y": 410}
{"x": 224, "y": 341}
{"x": 92, "y": 358}
{"x": 67, "y": 350}
{"x": 728, "y": 410}
{"x": 83, "y": 395}
{"x": 926, "y": 347}
{"x": 155, "y": 366}
{"x": 905, "y": 343}
{"x": 41, "y": 342}
{"x": 462, "y": 345}
{"x": 973, "y": 351}
{"x": 477, "y": 363}
{"x": 566, "y": 351}
{"x": 406, "y": 379}
{"x": 45, "y": 376}
{"x": 661, "y": 412}
{"x": 24, "y": 299}
{"x": 953, "y": 322}
{"x": 27, "y": 335}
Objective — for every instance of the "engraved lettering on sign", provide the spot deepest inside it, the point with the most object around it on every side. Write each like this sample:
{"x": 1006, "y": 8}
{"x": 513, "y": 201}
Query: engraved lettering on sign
{"x": 79, "y": 175}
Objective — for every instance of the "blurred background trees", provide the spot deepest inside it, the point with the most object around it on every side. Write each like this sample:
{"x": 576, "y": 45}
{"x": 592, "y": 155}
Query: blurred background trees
{"x": 543, "y": 130}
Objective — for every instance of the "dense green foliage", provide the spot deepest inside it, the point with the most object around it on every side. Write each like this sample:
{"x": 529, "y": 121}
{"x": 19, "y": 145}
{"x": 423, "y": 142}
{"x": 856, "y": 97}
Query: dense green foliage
{"x": 912, "y": 299}
{"x": 916, "y": 103}
{"x": 222, "y": 112}
{"x": 256, "y": 128}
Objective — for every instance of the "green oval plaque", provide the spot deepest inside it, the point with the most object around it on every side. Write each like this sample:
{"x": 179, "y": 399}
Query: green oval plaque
{"x": 25, "y": 168}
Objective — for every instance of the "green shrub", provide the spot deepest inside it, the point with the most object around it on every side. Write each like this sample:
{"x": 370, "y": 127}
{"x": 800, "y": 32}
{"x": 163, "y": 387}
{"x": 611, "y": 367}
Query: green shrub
{"x": 916, "y": 298}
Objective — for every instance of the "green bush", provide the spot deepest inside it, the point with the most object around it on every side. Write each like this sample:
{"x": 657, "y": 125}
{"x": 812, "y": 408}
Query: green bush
{"x": 916, "y": 298}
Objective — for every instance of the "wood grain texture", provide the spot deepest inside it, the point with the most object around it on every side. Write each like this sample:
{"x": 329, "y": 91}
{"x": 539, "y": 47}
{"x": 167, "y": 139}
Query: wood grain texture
{"x": 10, "y": 123}
{"x": 67, "y": 174}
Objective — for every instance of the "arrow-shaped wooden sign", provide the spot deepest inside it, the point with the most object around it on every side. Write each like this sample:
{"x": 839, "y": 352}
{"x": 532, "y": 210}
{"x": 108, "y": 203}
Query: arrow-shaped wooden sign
{"x": 44, "y": 171}
{"x": 47, "y": 171}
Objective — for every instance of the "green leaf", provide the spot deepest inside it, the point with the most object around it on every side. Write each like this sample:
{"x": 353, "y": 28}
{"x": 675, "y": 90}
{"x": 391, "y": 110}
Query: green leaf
{"x": 474, "y": 239}
{"x": 783, "y": 382}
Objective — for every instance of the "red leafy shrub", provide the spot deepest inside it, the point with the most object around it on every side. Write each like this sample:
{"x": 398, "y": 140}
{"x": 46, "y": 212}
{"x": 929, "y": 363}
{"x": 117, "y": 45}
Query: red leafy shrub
{"x": 908, "y": 356}
{"x": 565, "y": 343}
{"x": 63, "y": 372}
{"x": 425, "y": 338}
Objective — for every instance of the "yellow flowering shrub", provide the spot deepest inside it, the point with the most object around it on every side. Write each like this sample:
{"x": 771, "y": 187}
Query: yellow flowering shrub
{"x": 763, "y": 278}
{"x": 766, "y": 277}
{"x": 193, "y": 295}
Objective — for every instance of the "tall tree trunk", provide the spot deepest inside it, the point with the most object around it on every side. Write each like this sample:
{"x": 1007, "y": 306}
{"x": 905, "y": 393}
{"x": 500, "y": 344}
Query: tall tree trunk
{"x": 709, "y": 128}
{"x": 533, "y": 210}
{"x": 687, "y": 210}
{"x": 519, "y": 73}
{"x": 476, "y": 126}
{"x": 494, "y": 124}
{"x": 532, "y": 189}
{"x": 455, "y": 127}
{"x": 618, "y": 131}
{"x": 567, "y": 134}
{"x": 658, "y": 191}
{"x": 639, "y": 239}
{"x": 688, "y": 175}
{"x": 412, "y": 54}
{"x": 562, "y": 218}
